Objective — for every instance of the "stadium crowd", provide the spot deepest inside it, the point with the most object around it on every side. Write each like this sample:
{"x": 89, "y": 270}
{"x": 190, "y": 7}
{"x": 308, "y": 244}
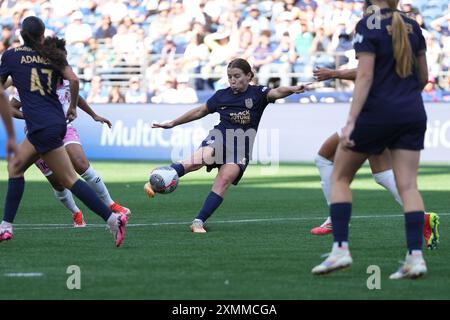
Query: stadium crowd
{"x": 142, "y": 51}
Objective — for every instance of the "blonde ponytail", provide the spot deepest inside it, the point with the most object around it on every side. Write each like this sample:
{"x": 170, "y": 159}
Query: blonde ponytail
{"x": 400, "y": 42}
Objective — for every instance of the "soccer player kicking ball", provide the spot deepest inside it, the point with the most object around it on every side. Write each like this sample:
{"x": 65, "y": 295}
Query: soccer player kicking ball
{"x": 240, "y": 107}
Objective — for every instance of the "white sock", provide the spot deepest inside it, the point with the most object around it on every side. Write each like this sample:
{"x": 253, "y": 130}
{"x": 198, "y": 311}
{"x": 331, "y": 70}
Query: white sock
{"x": 344, "y": 246}
{"x": 325, "y": 167}
{"x": 387, "y": 180}
{"x": 326, "y": 221}
{"x": 96, "y": 183}
{"x": 6, "y": 224}
{"x": 67, "y": 200}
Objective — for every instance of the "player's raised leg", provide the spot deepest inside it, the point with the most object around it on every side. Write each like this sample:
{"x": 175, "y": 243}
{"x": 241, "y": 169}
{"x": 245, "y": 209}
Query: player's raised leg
{"x": 59, "y": 162}
{"x": 324, "y": 163}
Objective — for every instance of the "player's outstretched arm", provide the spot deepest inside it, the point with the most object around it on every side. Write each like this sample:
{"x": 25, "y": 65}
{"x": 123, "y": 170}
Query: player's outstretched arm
{"x": 282, "y": 92}
{"x": 86, "y": 108}
{"x": 322, "y": 74}
{"x": 74, "y": 85}
{"x": 191, "y": 115}
{"x": 15, "y": 108}
{"x": 11, "y": 147}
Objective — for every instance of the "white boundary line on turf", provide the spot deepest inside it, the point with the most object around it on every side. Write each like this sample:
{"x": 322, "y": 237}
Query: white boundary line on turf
{"x": 24, "y": 274}
{"x": 43, "y": 226}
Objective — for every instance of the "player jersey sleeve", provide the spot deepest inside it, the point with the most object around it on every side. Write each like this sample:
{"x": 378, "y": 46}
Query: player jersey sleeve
{"x": 263, "y": 92}
{"x": 212, "y": 103}
{"x": 4, "y": 70}
{"x": 364, "y": 40}
{"x": 422, "y": 44}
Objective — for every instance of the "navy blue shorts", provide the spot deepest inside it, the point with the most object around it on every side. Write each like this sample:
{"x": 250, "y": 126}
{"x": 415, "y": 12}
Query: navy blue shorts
{"x": 373, "y": 139}
{"x": 48, "y": 139}
{"x": 228, "y": 157}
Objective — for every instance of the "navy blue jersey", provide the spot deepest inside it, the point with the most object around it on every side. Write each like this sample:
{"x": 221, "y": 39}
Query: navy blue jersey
{"x": 242, "y": 110}
{"x": 36, "y": 81}
{"x": 391, "y": 99}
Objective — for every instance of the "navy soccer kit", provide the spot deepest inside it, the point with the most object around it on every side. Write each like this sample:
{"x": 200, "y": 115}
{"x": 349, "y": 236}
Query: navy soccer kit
{"x": 36, "y": 82}
{"x": 393, "y": 115}
{"x": 240, "y": 114}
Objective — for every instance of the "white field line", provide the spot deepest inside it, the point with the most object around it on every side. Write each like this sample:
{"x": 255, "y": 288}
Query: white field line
{"x": 43, "y": 226}
{"x": 24, "y": 274}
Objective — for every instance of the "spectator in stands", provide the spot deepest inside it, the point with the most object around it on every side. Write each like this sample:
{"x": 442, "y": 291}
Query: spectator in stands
{"x": 412, "y": 12}
{"x": 7, "y": 36}
{"x": 97, "y": 91}
{"x": 221, "y": 50}
{"x": 262, "y": 54}
{"x": 255, "y": 21}
{"x": 185, "y": 93}
{"x": 87, "y": 62}
{"x": 105, "y": 29}
{"x": 194, "y": 58}
{"x": 115, "y": 95}
{"x": 434, "y": 54}
{"x": 116, "y": 9}
{"x": 136, "y": 11}
{"x": 77, "y": 32}
{"x": 283, "y": 57}
{"x": 168, "y": 93}
{"x": 135, "y": 94}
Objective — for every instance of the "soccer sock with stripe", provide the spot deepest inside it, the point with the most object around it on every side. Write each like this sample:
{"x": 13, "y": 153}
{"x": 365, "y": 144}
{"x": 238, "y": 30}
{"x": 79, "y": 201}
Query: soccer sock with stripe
{"x": 67, "y": 200}
{"x": 96, "y": 183}
{"x": 16, "y": 187}
{"x": 179, "y": 168}
{"x": 340, "y": 214}
{"x": 212, "y": 202}
{"x": 414, "y": 222}
{"x": 90, "y": 199}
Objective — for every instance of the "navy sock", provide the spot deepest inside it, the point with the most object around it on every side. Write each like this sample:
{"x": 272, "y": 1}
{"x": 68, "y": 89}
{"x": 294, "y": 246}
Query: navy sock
{"x": 212, "y": 202}
{"x": 179, "y": 168}
{"x": 90, "y": 199}
{"x": 16, "y": 186}
{"x": 414, "y": 222}
{"x": 340, "y": 214}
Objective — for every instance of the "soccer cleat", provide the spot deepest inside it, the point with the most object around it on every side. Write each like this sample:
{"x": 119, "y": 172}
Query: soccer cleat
{"x": 325, "y": 228}
{"x": 117, "y": 208}
{"x": 430, "y": 230}
{"x": 337, "y": 260}
{"x": 197, "y": 226}
{"x": 413, "y": 267}
{"x": 118, "y": 227}
{"x": 148, "y": 190}
{"x": 78, "y": 220}
{"x": 6, "y": 233}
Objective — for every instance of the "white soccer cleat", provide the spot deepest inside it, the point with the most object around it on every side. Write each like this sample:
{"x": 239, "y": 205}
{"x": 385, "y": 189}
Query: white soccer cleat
{"x": 413, "y": 267}
{"x": 197, "y": 226}
{"x": 339, "y": 258}
{"x": 117, "y": 225}
{"x": 6, "y": 232}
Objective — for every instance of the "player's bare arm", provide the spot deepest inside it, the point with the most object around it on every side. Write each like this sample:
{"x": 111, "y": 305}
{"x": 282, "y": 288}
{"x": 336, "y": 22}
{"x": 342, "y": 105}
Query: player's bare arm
{"x": 189, "y": 116}
{"x": 322, "y": 74}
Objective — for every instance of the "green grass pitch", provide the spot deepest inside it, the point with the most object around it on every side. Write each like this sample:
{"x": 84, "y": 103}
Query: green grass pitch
{"x": 258, "y": 245}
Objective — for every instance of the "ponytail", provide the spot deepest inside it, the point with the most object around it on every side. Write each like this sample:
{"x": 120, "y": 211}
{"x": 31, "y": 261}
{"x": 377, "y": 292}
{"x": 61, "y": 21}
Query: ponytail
{"x": 400, "y": 42}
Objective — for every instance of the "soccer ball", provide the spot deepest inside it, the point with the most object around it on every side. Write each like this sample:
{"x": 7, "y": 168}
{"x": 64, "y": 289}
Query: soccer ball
{"x": 164, "y": 180}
